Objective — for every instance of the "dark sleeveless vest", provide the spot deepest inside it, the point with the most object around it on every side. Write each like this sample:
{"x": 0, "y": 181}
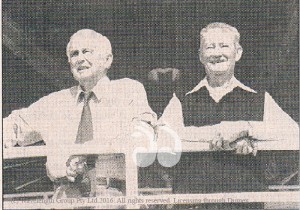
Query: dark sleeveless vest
{"x": 224, "y": 171}
{"x": 199, "y": 109}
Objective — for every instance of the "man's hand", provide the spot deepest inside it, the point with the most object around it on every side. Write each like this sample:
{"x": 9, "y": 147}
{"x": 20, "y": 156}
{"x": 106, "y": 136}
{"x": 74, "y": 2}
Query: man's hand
{"x": 10, "y": 136}
{"x": 20, "y": 133}
{"x": 241, "y": 145}
{"x": 234, "y": 136}
{"x": 234, "y": 130}
{"x": 76, "y": 165}
{"x": 245, "y": 147}
{"x": 217, "y": 143}
{"x": 13, "y": 135}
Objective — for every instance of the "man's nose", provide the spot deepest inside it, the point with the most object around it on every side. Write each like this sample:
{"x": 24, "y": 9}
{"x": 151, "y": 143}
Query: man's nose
{"x": 217, "y": 51}
{"x": 80, "y": 58}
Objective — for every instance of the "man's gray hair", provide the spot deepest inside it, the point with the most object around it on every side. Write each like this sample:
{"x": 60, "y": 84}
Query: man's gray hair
{"x": 220, "y": 25}
{"x": 102, "y": 41}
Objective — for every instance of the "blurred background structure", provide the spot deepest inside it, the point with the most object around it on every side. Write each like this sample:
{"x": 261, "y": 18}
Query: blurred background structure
{"x": 147, "y": 35}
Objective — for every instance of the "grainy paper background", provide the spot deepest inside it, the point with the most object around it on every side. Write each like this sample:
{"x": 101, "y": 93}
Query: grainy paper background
{"x": 145, "y": 35}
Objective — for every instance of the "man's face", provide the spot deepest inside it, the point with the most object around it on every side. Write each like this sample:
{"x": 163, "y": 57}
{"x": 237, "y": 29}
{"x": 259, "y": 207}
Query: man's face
{"x": 218, "y": 52}
{"x": 87, "y": 60}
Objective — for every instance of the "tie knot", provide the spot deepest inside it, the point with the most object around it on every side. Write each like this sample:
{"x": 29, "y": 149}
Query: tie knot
{"x": 86, "y": 96}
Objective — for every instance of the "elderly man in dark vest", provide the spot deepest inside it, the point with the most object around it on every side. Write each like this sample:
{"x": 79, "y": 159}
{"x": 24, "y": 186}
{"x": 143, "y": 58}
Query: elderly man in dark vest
{"x": 231, "y": 116}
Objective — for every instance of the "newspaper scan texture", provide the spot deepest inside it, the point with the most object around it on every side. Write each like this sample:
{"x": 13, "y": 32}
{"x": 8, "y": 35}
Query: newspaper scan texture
{"x": 152, "y": 163}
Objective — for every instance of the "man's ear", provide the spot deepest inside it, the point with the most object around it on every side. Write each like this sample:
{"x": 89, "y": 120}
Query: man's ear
{"x": 201, "y": 56}
{"x": 108, "y": 61}
{"x": 239, "y": 53}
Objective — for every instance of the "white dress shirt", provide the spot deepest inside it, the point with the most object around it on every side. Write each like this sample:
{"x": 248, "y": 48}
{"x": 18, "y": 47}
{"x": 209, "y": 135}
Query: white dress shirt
{"x": 56, "y": 117}
{"x": 277, "y": 128}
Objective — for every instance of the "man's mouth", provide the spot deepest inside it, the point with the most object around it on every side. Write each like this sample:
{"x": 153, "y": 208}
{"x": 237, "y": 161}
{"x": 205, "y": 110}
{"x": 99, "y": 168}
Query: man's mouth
{"x": 215, "y": 60}
{"x": 81, "y": 68}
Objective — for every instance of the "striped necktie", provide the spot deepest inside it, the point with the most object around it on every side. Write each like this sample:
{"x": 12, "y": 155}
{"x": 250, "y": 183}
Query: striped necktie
{"x": 85, "y": 128}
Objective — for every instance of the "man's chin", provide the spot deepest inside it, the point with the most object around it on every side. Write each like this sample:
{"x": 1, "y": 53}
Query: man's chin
{"x": 88, "y": 76}
{"x": 218, "y": 71}
{"x": 83, "y": 77}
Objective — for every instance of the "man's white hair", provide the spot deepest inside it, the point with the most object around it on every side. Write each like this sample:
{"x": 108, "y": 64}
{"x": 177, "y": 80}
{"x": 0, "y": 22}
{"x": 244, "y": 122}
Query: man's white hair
{"x": 219, "y": 25}
{"x": 102, "y": 41}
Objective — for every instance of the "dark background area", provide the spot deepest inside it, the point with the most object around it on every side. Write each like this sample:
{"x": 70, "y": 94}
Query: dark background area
{"x": 147, "y": 35}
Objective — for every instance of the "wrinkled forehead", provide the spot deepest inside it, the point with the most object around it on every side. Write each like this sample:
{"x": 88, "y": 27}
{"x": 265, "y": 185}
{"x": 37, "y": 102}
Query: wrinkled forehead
{"x": 218, "y": 35}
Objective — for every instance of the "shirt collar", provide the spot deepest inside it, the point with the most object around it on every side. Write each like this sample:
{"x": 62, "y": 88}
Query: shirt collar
{"x": 98, "y": 90}
{"x": 218, "y": 92}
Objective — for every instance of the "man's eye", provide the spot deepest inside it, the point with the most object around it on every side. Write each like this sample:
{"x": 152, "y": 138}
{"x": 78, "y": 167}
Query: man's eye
{"x": 73, "y": 54}
{"x": 209, "y": 47}
{"x": 225, "y": 45}
{"x": 87, "y": 51}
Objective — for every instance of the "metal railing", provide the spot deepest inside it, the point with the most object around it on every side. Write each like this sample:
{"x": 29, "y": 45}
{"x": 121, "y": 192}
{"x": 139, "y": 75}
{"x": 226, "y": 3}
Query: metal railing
{"x": 152, "y": 196}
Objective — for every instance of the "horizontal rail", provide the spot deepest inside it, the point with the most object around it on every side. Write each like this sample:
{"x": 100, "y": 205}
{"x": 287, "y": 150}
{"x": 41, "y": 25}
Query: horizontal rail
{"x": 27, "y": 195}
{"x": 48, "y": 194}
{"x": 42, "y": 151}
{"x": 155, "y": 190}
{"x": 141, "y": 190}
{"x": 132, "y": 191}
{"x": 284, "y": 187}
